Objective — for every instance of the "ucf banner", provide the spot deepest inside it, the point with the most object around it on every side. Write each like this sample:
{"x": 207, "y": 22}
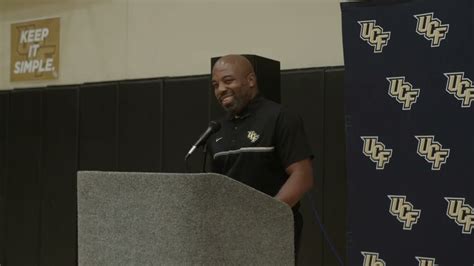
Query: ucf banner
{"x": 409, "y": 96}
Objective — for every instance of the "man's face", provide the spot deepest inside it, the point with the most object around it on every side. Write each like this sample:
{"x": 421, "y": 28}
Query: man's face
{"x": 232, "y": 86}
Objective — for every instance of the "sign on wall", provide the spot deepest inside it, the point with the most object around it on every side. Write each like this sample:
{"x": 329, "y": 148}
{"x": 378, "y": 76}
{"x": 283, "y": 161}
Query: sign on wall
{"x": 35, "y": 50}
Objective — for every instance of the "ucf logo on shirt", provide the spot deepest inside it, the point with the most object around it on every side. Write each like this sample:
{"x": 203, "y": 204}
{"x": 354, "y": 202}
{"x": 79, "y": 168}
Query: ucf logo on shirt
{"x": 461, "y": 213}
{"x": 253, "y": 136}
{"x": 404, "y": 211}
{"x": 431, "y": 28}
{"x": 403, "y": 92}
{"x": 372, "y": 259}
{"x": 374, "y": 35}
{"x": 462, "y": 88}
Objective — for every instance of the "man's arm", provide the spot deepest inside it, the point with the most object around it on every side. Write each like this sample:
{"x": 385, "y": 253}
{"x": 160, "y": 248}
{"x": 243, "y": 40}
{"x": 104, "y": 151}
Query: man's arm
{"x": 300, "y": 180}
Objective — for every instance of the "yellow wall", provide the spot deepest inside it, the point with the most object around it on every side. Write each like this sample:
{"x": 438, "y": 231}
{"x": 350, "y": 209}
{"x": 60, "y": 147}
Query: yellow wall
{"x": 126, "y": 39}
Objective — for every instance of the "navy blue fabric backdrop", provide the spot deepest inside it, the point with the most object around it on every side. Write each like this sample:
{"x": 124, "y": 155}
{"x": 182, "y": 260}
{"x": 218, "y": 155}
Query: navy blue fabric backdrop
{"x": 410, "y": 132}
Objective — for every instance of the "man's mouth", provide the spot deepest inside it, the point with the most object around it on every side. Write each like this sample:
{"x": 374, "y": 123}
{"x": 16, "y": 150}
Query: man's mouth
{"x": 226, "y": 99}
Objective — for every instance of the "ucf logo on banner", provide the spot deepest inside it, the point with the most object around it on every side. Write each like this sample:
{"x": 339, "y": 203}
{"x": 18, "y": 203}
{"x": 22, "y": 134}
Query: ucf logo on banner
{"x": 35, "y": 50}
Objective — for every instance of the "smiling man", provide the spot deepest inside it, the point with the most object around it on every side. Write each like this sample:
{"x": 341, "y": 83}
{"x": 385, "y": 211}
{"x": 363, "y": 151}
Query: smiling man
{"x": 260, "y": 143}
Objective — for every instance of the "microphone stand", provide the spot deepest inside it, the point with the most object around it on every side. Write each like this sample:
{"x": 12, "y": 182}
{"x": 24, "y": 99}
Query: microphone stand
{"x": 211, "y": 129}
{"x": 186, "y": 170}
{"x": 204, "y": 152}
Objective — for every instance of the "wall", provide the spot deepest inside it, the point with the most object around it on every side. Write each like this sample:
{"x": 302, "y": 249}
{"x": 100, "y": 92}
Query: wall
{"x": 127, "y": 39}
{"x": 3, "y": 48}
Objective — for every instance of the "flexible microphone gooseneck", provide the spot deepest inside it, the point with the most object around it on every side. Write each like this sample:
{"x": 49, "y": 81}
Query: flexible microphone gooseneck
{"x": 211, "y": 129}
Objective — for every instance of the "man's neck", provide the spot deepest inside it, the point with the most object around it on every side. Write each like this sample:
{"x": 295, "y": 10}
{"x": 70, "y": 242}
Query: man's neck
{"x": 244, "y": 111}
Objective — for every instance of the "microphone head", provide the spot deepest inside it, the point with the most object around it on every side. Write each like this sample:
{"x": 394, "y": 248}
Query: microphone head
{"x": 215, "y": 126}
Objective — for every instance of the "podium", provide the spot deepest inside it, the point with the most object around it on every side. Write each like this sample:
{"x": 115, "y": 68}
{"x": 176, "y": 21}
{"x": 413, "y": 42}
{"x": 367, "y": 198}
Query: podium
{"x": 179, "y": 219}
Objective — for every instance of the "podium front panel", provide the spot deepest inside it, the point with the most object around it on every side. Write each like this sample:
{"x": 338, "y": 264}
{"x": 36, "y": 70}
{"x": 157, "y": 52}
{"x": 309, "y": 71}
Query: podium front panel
{"x": 179, "y": 219}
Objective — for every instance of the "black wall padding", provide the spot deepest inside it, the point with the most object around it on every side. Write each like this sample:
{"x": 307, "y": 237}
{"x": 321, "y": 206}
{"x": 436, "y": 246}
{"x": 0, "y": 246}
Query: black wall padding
{"x": 58, "y": 177}
{"x": 4, "y": 106}
{"x": 185, "y": 117}
{"x": 139, "y": 126}
{"x": 24, "y": 180}
{"x": 98, "y": 136}
{"x": 303, "y": 92}
{"x": 46, "y": 135}
{"x": 335, "y": 182}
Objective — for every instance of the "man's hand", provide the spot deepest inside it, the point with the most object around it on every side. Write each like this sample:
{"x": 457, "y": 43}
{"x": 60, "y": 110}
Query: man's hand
{"x": 300, "y": 180}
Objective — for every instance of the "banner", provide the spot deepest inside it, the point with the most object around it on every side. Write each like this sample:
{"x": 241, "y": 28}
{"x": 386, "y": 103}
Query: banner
{"x": 35, "y": 50}
{"x": 409, "y": 93}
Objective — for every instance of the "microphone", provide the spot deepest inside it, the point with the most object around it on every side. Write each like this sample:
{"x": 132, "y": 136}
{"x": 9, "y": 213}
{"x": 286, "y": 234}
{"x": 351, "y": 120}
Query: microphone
{"x": 211, "y": 129}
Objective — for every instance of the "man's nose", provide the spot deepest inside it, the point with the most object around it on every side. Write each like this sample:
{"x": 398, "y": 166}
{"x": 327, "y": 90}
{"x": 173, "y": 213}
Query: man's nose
{"x": 221, "y": 88}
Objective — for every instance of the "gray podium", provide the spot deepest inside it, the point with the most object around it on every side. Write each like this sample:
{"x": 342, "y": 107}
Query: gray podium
{"x": 179, "y": 219}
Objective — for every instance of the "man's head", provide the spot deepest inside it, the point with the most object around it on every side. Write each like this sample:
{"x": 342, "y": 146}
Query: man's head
{"x": 234, "y": 82}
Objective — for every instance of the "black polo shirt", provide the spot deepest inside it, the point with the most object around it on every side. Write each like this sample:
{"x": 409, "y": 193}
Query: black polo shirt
{"x": 257, "y": 146}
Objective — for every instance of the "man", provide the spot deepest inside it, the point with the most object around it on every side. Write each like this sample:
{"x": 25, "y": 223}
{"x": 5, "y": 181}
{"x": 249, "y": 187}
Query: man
{"x": 260, "y": 143}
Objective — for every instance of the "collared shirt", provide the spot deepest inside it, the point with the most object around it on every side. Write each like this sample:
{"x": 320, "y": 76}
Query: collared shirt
{"x": 257, "y": 146}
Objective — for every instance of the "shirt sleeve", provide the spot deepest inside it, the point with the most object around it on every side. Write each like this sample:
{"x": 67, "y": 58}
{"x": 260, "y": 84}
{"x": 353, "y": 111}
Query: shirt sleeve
{"x": 291, "y": 142}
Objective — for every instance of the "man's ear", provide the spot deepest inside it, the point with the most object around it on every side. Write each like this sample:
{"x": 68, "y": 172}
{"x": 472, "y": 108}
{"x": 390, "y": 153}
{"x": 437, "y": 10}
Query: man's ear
{"x": 252, "y": 80}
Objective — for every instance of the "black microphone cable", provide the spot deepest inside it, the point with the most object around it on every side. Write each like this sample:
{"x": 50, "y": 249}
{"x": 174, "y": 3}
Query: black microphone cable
{"x": 325, "y": 234}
